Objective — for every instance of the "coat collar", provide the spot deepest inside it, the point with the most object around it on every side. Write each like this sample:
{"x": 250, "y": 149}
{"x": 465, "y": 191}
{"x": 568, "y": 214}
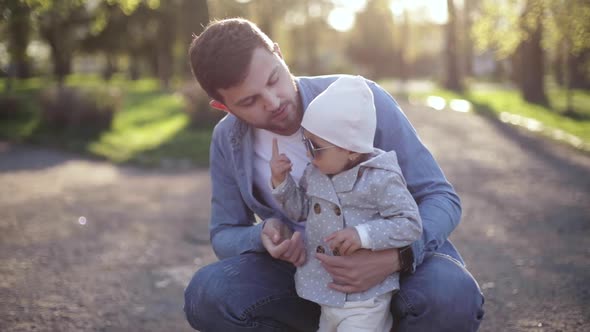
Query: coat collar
{"x": 328, "y": 188}
{"x": 321, "y": 186}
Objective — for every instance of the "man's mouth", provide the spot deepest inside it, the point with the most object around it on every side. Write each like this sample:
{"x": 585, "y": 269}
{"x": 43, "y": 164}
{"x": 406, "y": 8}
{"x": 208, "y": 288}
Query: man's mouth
{"x": 280, "y": 112}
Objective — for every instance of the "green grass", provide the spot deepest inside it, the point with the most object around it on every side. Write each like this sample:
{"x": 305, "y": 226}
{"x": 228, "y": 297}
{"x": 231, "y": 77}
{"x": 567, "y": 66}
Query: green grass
{"x": 498, "y": 100}
{"x": 151, "y": 128}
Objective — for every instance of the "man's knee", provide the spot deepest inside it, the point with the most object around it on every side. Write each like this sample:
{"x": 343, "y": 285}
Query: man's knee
{"x": 456, "y": 297}
{"x": 441, "y": 294}
{"x": 199, "y": 296}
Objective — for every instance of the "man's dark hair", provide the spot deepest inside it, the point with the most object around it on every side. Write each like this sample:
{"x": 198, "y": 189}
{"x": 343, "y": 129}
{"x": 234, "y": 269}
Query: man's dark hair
{"x": 220, "y": 56}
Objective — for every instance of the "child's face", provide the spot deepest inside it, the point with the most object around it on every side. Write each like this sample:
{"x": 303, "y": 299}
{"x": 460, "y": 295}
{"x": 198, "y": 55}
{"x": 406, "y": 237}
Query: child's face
{"x": 329, "y": 159}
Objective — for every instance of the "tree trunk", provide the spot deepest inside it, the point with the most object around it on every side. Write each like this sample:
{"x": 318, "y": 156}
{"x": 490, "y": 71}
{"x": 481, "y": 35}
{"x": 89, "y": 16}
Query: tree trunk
{"x": 467, "y": 42}
{"x": 19, "y": 27}
{"x": 579, "y": 75}
{"x": 110, "y": 67}
{"x": 453, "y": 77}
{"x": 61, "y": 57}
{"x": 59, "y": 37}
{"x": 404, "y": 71}
{"x": 133, "y": 70}
{"x": 164, "y": 48}
{"x": 532, "y": 78}
{"x": 194, "y": 15}
{"x": 311, "y": 57}
{"x": 567, "y": 79}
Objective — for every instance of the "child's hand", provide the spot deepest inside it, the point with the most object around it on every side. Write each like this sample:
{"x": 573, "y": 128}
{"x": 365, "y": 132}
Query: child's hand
{"x": 280, "y": 165}
{"x": 344, "y": 242}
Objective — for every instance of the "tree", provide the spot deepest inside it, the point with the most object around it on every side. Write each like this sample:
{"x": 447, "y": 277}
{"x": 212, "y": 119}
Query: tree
{"x": 18, "y": 27}
{"x": 109, "y": 37}
{"x": 194, "y": 16}
{"x": 469, "y": 9}
{"x": 569, "y": 27}
{"x": 514, "y": 29}
{"x": 372, "y": 43}
{"x": 61, "y": 25}
{"x": 64, "y": 24}
{"x": 453, "y": 79}
{"x": 527, "y": 31}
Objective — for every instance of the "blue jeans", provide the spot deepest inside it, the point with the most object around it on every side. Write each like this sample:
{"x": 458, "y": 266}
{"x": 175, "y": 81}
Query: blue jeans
{"x": 254, "y": 292}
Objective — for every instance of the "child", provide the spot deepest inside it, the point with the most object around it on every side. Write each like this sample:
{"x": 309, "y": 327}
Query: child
{"x": 353, "y": 196}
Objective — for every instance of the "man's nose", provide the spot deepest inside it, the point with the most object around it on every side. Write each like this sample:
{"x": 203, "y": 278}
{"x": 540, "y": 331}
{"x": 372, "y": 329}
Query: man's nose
{"x": 271, "y": 101}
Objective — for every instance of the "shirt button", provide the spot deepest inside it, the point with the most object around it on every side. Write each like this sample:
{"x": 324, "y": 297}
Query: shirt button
{"x": 317, "y": 208}
{"x": 320, "y": 250}
{"x": 337, "y": 211}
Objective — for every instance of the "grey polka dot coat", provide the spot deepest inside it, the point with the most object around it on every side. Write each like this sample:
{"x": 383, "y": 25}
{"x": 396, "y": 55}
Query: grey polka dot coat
{"x": 373, "y": 192}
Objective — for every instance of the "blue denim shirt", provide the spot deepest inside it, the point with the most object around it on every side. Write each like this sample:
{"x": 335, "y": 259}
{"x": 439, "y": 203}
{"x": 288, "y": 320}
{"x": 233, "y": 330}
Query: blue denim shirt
{"x": 233, "y": 227}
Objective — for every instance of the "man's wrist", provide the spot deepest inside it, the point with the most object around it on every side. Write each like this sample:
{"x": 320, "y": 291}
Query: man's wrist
{"x": 406, "y": 259}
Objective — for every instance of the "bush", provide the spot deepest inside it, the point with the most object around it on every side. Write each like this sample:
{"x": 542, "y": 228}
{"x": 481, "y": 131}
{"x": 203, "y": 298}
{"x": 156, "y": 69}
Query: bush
{"x": 197, "y": 107}
{"x": 11, "y": 107}
{"x": 19, "y": 116}
{"x": 89, "y": 110}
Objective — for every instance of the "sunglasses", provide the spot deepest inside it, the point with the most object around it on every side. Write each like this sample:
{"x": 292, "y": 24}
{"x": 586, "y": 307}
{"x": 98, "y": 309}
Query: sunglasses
{"x": 311, "y": 149}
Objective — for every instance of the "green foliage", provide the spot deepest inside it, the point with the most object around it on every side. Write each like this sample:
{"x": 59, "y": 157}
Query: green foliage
{"x": 495, "y": 101}
{"x": 498, "y": 27}
{"x": 569, "y": 21}
{"x": 502, "y": 25}
{"x": 128, "y": 6}
{"x": 18, "y": 116}
{"x": 151, "y": 128}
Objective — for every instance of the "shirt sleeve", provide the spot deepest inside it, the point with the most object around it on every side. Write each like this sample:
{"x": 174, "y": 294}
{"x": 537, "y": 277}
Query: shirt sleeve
{"x": 363, "y": 232}
{"x": 438, "y": 203}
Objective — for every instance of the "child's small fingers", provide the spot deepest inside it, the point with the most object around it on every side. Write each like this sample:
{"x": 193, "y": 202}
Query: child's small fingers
{"x": 345, "y": 248}
{"x": 336, "y": 244}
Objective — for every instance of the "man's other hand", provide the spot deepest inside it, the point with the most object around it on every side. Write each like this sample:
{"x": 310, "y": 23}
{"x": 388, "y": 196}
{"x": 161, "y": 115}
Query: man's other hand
{"x": 361, "y": 270}
{"x": 281, "y": 243}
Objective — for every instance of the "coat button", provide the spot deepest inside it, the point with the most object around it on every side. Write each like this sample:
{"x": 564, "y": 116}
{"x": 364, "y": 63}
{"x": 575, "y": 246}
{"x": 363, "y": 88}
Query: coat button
{"x": 317, "y": 208}
{"x": 337, "y": 211}
{"x": 320, "y": 250}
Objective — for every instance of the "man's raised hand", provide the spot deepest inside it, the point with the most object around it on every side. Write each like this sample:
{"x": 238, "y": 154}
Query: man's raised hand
{"x": 280, "y": 165}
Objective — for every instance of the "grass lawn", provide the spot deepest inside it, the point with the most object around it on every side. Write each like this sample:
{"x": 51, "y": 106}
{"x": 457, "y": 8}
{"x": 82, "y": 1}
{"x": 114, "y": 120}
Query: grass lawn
{"x": 151, "y": 128}
{"x": 496, "y": 101}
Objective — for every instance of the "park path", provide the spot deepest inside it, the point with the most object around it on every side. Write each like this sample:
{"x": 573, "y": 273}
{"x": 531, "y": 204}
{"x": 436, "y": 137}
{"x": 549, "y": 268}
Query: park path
{"x": 88, "y": 246}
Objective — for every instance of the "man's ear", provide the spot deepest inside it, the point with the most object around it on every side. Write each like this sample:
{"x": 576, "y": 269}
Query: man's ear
{"x": 218, "y": 105}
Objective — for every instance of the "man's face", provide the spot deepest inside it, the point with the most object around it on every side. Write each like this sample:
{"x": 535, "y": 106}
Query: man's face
{"x": 267, "y": 98}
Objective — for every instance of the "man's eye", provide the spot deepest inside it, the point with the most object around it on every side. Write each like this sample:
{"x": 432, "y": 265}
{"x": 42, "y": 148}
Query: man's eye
{"x": 248, "y": 102}
{"x": 274, "y": 80}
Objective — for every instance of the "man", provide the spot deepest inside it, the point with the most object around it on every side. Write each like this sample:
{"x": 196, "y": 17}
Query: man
{"x": 251, "y": 288}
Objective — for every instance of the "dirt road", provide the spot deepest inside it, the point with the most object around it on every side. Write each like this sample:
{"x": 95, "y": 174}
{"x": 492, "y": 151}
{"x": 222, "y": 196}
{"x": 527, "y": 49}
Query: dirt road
{"x": 87, "y": 246}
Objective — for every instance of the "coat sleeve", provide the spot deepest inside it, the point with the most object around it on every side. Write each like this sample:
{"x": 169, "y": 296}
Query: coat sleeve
{"x": 292, "y": 198}
{"x": 400, "y": 224}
